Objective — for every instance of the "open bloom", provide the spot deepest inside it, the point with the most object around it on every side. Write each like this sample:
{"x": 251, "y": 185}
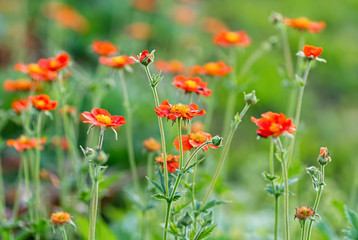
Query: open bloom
{"x": 232, "y": 38}
{"x": 213, "y": 69}
{"x": 116, "y": 62}
{"x": 312, "y": 51}
{"x": 20, "y": 105}
{"x": 172, "y": 67}
{"x": 194, "y": 140}
{"x": 43, "y": 103}
{"x": 273, "y": 124}
{"x": 303, "y": 23}
{"x": 172, "y": 162}
{"x": 60, "y": 218}
{"x": 151, "y": 145}
{"x": 102, "y": 118}
{"x": 304, "y": 212}
{"x": 104, "y": 48}
{"x": 192, "y": 84}
{"x": 55, "y": 64}
{"x": 23, "y": 143}
{"x": 36, "y": 72}
{"x": 19, "y": 85}
{"x": 179, "y": 110}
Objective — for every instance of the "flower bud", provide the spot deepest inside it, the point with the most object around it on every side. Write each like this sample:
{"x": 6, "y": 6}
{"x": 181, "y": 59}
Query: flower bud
{"x": 217, "y": 141}
{"x": 276, "y": 18}
{"x": 304, "y": 212}
{"x": 324, "y": 156}
{"x": 146, "y": 58}
{"x": 250, "y": 98}
{"x": 186, "y": 220}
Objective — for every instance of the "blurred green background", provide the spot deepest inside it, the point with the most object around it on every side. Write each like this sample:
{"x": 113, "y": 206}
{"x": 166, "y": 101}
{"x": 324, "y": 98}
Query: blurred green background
{"x": 329, "y": 113}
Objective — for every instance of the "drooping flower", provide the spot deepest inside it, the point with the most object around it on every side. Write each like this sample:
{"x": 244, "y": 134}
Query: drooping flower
{"x": 20, "y": 85}
{"x": 192, "y": 84}
{"x": 43, "y": 102}
{"x": 172, "y": 162}
{"x": 304, "y": 23}
{"x": 23, "y": 143}
{"x": 20, "y": 105}
{"x": 173, "y": 112}
{"x": 102, "y": 118}
{"x": 273, "y": 124}
{"x": 60, "y": 218}
{"x": 151, "y": 145}
{"x": 213, "y": 69}
{"x": 104, "y": 48}
{"x": 116, "y": 62}
{"x": 194, "y": 140}
{"x": 232, "y": 38}
{"x": 304, "y": 212}
{"x": 172, "y": 66}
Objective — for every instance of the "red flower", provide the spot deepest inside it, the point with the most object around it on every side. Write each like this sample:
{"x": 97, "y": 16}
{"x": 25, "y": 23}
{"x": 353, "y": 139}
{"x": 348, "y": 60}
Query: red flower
{"x": 194, "y": 140}
{"x": 104, "y": 48}
{"x": 19, "y": 85}
{"x": 43, "y": 103}
{"x": 312, "y": 51}
{"x": 36, "y": 72}
{"x": 151, "y": 145}
{"x": 60, "y": 218}
{"x": 273, "y": 124}
{"x": 102, "y": 118}
{"x": 24, "y": 143}
{"x": 20, "y": 105}
{"x": 116, "y": 62}
{"x": 212, "y": 68}
{"x": 232, "y": 38}
{"x": 173, "y": 112}
{"x": 55, "y": 64}
{"x": 146, "y": 58}
{"x": 192, "y": 84}
{"x": 172, "y": 163}
{"x": 303, "y": 23}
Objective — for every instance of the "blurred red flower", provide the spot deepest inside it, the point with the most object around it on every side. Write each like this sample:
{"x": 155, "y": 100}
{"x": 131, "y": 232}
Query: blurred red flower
{"x": 194, "y": 140}
{"x": 172, "y": 163}
{"x": 303, "y": 23}
{"x": 312, "y": 51}
{"x": 273, "y": 124}
{"x": 23, "y": 143}
{"x": 36, "y": 72}
{"x": 20, "y": 105}
{"x": 43, "y": 103}
{"x": 104, "y": 48}
{"x": 116, "y": 62}
{"x": 213, "y": 25}
{"x": 20, "y": 85}
{"x": 60, "y": 218}
{"x": 139, "y": 30}
{"x": 102, "y": 118}
{"x": 192, "y": 84}
{"x": 55, "y": 64}
{"x": 172, "y": 66}
{"x": 232, "y": 38}
{"x": 173, "y": 112}
{"x": 212, "y": 68}
{"x": 151, "y": 145}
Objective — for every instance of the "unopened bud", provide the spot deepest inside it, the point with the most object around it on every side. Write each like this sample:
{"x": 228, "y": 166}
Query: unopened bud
{"x": 276, "y": 18}
{"x": 186, "y": 220}
{"x": 250, "y": 98}
{"x": 146, "y": 58}
{"x": 324, "y": 156}
{"x": 217, "y": 141}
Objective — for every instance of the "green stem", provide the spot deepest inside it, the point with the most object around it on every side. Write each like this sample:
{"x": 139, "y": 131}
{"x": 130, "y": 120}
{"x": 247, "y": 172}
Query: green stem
{"x": 276, "y": 217}
{"x": 286, "y": 202}
{"x": 15, "y": 209}
{"x": 193, "y": 192}
{"x": 303, "y": 230}
{"x": 37, "y": 169}
{"x": 129, "y": 134}
{"x": 316, "y": 202}
{"x": 287, "y": 53}
{"x": 272, "y": 172}
{"x": 2, "y": 195}
{"x": 166, "y": 224}
{"x": 63, "y": 233}
{"x": 27, "y": 183}
{"x": 144, "y": 225}
{"x": 225, "y": 151}
{"x": 180, "y": 144}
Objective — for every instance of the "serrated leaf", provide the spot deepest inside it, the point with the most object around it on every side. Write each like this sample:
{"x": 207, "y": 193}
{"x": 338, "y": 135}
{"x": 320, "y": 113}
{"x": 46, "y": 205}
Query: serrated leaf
{"x": 156, "y": 185}
{"x": 159, "y": 197}
{"x": 212, "y": 204}
{"x": 177, "y": 196}
{"x": 178, "y": 208}
{"x": 193, "y": 165}
{"x": 205, "y": 233}
{"x": 269, "y": 177}
{"x": 352, "y": 217}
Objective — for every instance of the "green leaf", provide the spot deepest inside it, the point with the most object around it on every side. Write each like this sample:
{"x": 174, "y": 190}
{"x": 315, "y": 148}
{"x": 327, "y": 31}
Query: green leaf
{"x": 159, "y": 197}
{"x": 352, "y": 217}
{"x": 193, "y": 165}
{"x": 178, "y": 208}
{"x": 206, "y": 233}
{"x": 269, "y": 177}
{"x": 156, "y": 185}
{"x": 212, "y": 204}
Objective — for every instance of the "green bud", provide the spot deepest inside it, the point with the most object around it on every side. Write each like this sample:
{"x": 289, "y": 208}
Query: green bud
{"x": 324, "y": 156}
{"x": 217, "y": 141}
{"x": 250, "y": 98}
{"x": 186, "y": 220}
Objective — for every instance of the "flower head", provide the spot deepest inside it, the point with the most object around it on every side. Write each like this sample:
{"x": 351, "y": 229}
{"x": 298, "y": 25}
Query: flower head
{"x": 145, "y": 57}
{"x": 192, "y": 84}
{"x": 273, "y": 124}
{"x": 324, "y": 156}
{"x": 197, "y": 127}
{"x": 36, "y": 72}
{"x": 54, "y": 64}
{"x": 172, "y": 67}
{"x": 19, "y": 85}
{"x": 104, "y": 48}
{"x": 212, "y": 69}
{"x": 304, "y": 212}
{"x": 23, "y": 143}
{"x": 172, "y": 162}
{"x": 194, "y": 140}
{"x": 312, "y": 51}
{"x": 102, "y": 118}
{"x": 116, "y": 62}
{"x": 303, "y": 23}
{"x": 60, "y": 218}
{"x": 152, "y": 145}
{"x": 20, "y": 105}
{"x": 173, "y": 112}
{"x": 43, "y": 103}
{"x": 232, "y": 38}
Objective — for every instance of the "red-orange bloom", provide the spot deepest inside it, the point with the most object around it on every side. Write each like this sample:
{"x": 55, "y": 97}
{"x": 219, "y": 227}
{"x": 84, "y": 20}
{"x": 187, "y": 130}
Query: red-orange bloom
{"x": 304, "y": 212}
{"x": 36, "y": 72}
{"x": 102, "y": 118}
{"x": 303, "y": 23}
{"x": 312, "y": 51}
{"x": 232, "y": 38}
{"x": 192, "y": 84}
{"x": 173, "y": 112}
{"x": 172, "y": 67}
{"x": 194, "y": 140}
{"x": 139, "y": 30}
{"x": 213, "y": 25}
{"x": 151, "y": 145}
{"x": 172, "y": 162}
{"x": 116, "y": 62}
{"x": 60, "y": 218}
{"x": 104, "y": 48}
{"x": 19, "y": 85}
{"x": 145, "y": 5}
{"x": 212, "y": 68}
{"x": 184, "y": 15}
{"x": 43, "y": 103}
{"x": 20, "y": 105}
{"x": 24, "y": 143}
{"x": 55, "y": 64}
{"x": 274, "y": 124}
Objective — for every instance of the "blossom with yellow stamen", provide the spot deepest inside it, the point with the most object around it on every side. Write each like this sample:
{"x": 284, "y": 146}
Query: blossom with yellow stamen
{"x": 192, "y": 84}
{"x": 179, "y": 110}
{"x": 232, "y": 38}
{"x": 60, "y": 218}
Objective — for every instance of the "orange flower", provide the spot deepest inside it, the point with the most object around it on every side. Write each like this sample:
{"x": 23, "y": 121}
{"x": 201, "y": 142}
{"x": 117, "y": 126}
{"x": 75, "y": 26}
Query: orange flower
{"x": 139, "y": 30}
{"x": 274, "y": 124}
{"x": 212, "y": 68}
{"x": 172, "y": 163}
{"x": 172, "y": 67}
{"x": 19, "y": 85}
{"x": 104, "y": 48}
{"x": 116, "y": 62}
{"x": 43, "y": 103}
{"x": 312, "y": 51}
{"x": 54, "y": 64}
{"x": 184, "y": 15}
{"x": 20, "y": 105}
{"x": 60, "y": 218}
{"x": 194, "y": 140}
{"x": 36, "y": 72}
{"x": 304, "y": 212}
{"x": 173, "y": 112}
{"x": 68, "y": 110}
{"x": 324, "y": 156}
{"x": 213, "y": 25}
{"x": 24, "y": 143}
{"x": 303, "y": 23}
{"x": 197, "y": 127}
{"x": 152, "y": 145}
{"x": 232, "y": 38}
{"x": 192, "y": 84}
{"x": 145, "y": 5}
{"x": 102, "y": 118}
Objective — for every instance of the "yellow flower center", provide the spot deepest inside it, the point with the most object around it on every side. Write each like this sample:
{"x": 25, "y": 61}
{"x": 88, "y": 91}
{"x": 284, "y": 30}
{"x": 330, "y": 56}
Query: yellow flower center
{"x": 211, "y": 67}
{"x": 190, "y": 84}
{"x": 106, "y": 120}
{"x": 34, "y": 68}
{"x": 23, "y": 139}
{"x": 53, "y": 64}
{"x": 232, "y": 37}
{"x": 40, "y": 103}
{"x": 274, "y": 127}
{"x": 179, "y": 108}
{"x": 119, "y": 60}
{"x": 198, "y": 137}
